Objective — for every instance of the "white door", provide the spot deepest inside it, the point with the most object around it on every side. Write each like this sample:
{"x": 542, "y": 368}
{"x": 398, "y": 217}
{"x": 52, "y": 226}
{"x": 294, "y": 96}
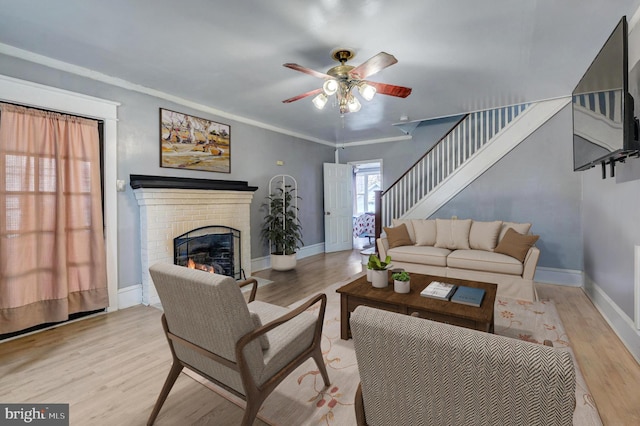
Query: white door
{"x": 338, "y": 207}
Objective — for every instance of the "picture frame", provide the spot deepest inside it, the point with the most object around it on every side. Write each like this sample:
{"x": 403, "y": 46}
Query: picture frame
{"x": 194, "y": 143}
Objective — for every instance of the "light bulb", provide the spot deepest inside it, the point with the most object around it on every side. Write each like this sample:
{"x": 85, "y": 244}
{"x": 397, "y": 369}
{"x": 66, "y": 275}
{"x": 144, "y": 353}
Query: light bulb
{"x": 366, "y": 91}
{"x": 330, "y": 87}
{"x": 320, "y": 101}
{"x": 353, "y": 104}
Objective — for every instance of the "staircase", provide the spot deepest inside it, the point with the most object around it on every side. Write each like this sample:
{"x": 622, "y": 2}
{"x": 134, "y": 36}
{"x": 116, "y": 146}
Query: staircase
{"x": 477, "y": 142}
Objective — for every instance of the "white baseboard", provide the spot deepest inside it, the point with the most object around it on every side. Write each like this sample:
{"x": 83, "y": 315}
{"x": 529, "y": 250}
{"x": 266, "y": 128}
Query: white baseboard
{"x": 261, "y": 263}
{"x": 307, "y": 251}
{"x": 129, "y": 296}
{"x": 568, "y": 277}
{"x": 620, "y": 322}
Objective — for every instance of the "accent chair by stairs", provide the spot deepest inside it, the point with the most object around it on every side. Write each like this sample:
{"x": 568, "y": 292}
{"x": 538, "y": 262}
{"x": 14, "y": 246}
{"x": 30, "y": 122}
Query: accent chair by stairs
{"x": 246, "y": 348}
{"x": 420, "y": 372}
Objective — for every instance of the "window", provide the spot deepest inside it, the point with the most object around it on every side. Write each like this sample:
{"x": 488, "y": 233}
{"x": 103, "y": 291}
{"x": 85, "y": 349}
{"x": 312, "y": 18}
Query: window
{"x": 367, "y": 180}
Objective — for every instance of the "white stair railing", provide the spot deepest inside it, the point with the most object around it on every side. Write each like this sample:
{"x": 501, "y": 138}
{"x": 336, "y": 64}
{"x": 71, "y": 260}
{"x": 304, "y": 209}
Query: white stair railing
{"x": 456, "y": 148}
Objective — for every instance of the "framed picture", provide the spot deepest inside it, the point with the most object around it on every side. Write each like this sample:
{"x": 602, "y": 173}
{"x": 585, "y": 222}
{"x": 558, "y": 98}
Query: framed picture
{"x": 193, "y": 143}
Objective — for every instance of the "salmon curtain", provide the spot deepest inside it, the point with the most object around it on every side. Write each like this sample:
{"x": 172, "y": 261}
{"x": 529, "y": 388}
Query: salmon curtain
{"x": 52, "y": 253}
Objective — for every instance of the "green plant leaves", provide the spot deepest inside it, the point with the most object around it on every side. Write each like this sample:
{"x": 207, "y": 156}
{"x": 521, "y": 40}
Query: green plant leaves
{"x": 281, "y": 228}
{"x": 376, "y": 264}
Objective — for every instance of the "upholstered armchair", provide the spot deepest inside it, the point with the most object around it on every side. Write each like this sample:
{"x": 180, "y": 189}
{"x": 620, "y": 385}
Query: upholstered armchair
{"x": 246, "y": 348}
{"x": 419, "y": 372}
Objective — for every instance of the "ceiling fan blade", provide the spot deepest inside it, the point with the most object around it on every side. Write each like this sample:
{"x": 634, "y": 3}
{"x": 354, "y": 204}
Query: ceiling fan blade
{"x": 304, "y": 95}
{"x": 390, "y": 89}
{"x": 372, "y": 65}
{"x": 307, "y": 70}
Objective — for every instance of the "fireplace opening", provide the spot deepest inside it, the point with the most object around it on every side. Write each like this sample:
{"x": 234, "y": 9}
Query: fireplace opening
{"x": 210, "y": 248}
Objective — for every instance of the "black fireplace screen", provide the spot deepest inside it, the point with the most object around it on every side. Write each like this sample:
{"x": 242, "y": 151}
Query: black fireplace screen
{"x": 211, "y": 248}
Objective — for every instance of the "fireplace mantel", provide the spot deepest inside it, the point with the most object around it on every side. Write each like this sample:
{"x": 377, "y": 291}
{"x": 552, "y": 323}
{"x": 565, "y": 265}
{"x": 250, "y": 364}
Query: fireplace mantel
{"x": 168, "y": 182}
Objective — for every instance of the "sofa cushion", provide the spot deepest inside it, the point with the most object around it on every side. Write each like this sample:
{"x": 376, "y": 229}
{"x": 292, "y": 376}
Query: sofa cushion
{"x": 482, "y": 260}
{"x": 515, "y": 244}
{"x": 522, "y": 228}
{"x": 398, "y": 236}
{"x": 484, "y": 235}
{"x": 425, "y": 230}
{"x": 453, "y": 234}
{"x": 409, "y": 224}
{"x": 424, "y": 255}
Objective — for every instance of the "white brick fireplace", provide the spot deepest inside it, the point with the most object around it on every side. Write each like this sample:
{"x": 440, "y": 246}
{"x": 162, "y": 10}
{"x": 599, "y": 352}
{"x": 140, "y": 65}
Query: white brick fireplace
{"x": 169, "y": 207}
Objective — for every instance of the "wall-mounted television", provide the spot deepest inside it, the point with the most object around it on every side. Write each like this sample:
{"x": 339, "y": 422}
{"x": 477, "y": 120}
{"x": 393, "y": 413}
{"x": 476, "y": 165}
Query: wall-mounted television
{"x": 604, "y": 126}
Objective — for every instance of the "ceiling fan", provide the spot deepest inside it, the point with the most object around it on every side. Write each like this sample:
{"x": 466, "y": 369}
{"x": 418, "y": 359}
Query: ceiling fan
{"x": 342, "y": 79}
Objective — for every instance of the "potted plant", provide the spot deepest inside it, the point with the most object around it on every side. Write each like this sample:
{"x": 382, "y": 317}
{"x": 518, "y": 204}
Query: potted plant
{"x": 281, "y": 229}
{"x": 401, "y": 282}
{"x": 379, "y": 275}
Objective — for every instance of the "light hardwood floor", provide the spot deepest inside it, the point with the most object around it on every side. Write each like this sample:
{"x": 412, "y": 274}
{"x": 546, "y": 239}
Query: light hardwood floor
{"x": 110, "y": 367}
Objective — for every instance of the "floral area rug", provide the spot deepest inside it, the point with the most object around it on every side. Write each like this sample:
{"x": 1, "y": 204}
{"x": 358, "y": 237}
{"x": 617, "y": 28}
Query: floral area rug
{"x": 302, "y": 399}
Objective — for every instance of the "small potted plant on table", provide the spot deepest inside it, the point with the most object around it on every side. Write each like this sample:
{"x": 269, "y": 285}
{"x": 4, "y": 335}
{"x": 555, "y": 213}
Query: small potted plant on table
{"x": 379, "y": 274}
{"x": 401, "y": 282}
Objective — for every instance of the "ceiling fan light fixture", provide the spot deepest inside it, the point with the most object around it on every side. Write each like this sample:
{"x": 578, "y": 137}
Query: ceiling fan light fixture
{"x": 342, "y": 80}
{"x": 330, "y": 87}
{"x": 353, "y": 104}
{"x": 320, "y": 101}
{"x": 367, "y": 91}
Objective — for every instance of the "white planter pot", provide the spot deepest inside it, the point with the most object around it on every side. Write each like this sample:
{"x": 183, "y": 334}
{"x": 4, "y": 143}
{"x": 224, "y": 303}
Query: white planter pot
{"x": 283, "y": 262}
{"x": 401, "y": 286}
{"x": 379, "y": 279}
{"x": 368, "y": 275}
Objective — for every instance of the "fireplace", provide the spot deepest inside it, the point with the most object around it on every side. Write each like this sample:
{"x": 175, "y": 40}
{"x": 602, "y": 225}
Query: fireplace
{"x": 171, "y": 207}
{"x": 215, "y": 249}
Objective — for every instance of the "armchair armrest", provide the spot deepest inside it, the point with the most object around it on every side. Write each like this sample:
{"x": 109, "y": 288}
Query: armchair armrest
{"x": 247, "y": 282}
{"x": 530, "y": 263}
{"x": 383, "y": 246}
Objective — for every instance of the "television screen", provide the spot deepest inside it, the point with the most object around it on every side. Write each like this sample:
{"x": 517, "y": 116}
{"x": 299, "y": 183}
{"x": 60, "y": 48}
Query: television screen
{"x": 602, "y": 106}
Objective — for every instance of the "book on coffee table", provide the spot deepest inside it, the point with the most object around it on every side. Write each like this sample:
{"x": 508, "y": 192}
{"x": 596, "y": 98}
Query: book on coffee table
{"x": 468, "y": 296}
{"x": 438, "y": 290}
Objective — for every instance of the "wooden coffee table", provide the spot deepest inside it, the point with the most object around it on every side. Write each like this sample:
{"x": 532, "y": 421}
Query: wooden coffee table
{"x": 361, "y": 292}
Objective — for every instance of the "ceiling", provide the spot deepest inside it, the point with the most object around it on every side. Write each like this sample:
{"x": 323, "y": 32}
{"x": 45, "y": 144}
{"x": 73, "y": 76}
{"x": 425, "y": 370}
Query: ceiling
{"x": 457, "y": 55}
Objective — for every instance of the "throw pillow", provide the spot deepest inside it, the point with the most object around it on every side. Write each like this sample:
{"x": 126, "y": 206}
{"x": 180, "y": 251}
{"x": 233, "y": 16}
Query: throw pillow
{"x": 409, "y": 225}
{"x": 398, "y": 236}
{"x": 453, "y": 234}
{"x": 264, "y": 341}
{"x": 521, "y": 228}
{"x": 515, "y": 244}
{"x": 425, "y": 232}
{"x": 484, "y": 235}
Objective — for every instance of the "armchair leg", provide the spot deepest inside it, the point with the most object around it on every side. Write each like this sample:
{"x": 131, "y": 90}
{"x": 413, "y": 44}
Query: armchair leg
{"x": 318, "y": 358}
{"x": 251, "y": 411}
{"x": 176, "y": 368}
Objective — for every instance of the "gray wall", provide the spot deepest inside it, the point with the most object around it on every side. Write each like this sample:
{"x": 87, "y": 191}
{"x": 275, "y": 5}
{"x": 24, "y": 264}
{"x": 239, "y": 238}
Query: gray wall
{"x": 611, "y": 226}
{"x": 611, "y": 229}
{"x": 254, "y": 152}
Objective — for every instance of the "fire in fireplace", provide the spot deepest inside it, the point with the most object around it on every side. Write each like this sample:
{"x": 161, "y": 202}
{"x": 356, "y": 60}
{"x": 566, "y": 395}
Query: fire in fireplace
{"x": 210, "y": 248}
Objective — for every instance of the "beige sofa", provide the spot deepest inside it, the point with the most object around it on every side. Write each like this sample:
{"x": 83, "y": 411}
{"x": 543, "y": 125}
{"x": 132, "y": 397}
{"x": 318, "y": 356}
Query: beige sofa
{"x": 497, "y": 252}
